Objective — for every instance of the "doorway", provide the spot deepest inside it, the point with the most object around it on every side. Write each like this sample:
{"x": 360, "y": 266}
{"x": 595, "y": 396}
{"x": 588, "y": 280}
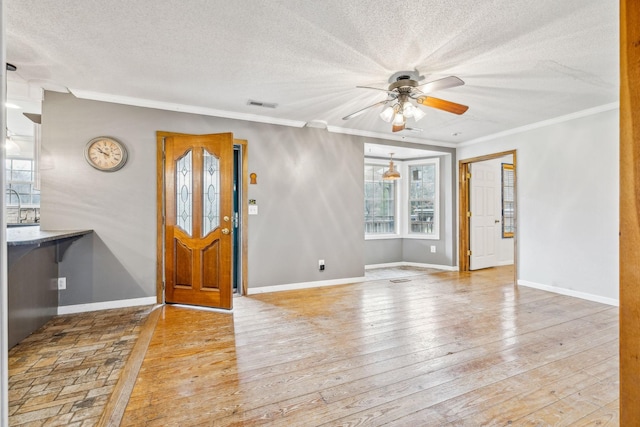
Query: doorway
{"x": 201, "y": 205}
{"x": 478, "y": 233}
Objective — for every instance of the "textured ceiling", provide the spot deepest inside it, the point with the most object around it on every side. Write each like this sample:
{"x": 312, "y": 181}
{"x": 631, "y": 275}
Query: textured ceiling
{"x": 522, "y": 61}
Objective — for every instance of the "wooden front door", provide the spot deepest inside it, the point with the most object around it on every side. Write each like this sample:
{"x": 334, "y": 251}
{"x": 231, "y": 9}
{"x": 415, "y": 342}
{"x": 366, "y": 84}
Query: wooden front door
{"x": 198, "y": 226}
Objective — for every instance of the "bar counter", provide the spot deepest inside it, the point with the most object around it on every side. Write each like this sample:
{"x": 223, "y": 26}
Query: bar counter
{"x": 32, "y": 260}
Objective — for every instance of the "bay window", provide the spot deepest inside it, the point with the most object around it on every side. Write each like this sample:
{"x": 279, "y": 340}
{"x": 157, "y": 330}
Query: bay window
{"x": 404, "y": 208}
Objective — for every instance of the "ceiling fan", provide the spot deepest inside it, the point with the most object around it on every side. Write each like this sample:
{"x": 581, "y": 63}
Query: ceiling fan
{"x": 403, "y": 90}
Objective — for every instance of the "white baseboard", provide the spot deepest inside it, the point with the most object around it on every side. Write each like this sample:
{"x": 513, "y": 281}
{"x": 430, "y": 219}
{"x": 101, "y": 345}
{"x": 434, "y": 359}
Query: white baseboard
{"x": 503, "y": 263}
{"x": 81, "y": 308}
{"x": 387, "y": 265}
{"x": 304, "y": 285}
{"x": 570, "y": 293}
{"x": 411, "y": 264}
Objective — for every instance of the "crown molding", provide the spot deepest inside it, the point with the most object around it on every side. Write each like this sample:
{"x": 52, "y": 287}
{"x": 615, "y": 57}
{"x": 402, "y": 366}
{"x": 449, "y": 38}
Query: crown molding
{"x": 183, "y": 108}
{"x": 378, "y": 135}
{"x": 544, "y": 123}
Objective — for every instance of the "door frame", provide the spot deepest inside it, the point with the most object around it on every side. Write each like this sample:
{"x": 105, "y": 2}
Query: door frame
{"x": 464, "y": 240}
{"x": 629, "y": 286}
{"x": 160, "y": 214}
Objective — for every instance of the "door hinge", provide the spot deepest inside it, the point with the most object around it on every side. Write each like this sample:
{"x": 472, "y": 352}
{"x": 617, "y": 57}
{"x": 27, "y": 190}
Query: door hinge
{"x": 468, "y": 175}
{"x": 469, "y": 214}
{"x": 468, "y": 253}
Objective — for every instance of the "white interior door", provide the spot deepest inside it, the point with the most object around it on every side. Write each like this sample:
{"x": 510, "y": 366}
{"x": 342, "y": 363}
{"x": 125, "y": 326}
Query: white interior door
{"x": 485, "y": 215}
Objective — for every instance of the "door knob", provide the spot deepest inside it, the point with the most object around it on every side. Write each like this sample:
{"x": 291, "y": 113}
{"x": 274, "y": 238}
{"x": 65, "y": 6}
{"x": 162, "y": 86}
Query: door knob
{"x": 225, "y": 231}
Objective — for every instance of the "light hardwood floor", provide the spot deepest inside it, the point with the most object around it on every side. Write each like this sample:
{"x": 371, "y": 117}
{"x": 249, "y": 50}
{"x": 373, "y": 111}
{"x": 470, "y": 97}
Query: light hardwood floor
{"x": 443, "y": 348}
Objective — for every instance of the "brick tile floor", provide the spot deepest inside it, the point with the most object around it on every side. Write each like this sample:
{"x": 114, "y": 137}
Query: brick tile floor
{"x": 63, "y": 374}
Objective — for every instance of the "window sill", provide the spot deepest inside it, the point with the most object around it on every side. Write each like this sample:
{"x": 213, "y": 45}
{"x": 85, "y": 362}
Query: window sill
{"x": 381, "y": 236}
{"x": 400, "y": 236}
{"x": 422, "y": 236}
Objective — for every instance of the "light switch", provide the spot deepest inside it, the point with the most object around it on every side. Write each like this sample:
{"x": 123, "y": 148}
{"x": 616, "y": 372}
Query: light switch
{"x": 253, "y": 209}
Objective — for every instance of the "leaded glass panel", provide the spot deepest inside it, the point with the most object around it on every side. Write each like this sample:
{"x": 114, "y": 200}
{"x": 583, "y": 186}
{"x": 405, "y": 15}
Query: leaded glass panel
{"x": 210, "y": 193}
{"x": 508, "y": 201}
{"x": 184, "y": 193}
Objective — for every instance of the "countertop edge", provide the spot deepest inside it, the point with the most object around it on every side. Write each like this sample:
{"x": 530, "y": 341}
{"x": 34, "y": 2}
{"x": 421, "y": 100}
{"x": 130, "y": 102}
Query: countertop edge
{"x": 33, "y": 235}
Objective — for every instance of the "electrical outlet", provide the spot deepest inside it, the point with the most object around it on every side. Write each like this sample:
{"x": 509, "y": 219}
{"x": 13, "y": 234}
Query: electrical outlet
{"x": 62, "y": 283}
{"x": 433, "y": 249}
{"x": 321, "y": 264}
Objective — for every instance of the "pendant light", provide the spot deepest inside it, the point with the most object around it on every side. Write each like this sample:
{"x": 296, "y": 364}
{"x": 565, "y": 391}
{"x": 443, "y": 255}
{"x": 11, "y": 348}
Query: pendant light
{"x": 10, "y": 145}
{"x": 392, "y": 173}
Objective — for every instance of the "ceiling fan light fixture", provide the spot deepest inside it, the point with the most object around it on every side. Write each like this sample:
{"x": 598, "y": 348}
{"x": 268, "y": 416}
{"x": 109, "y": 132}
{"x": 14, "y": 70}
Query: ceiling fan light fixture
{"x": 398, "y": 119}
{"x": 408, "y": 109}
{"x": 387, "y": 114}
{"x": 391, "y": 173}
{"x": 418, "y": 114}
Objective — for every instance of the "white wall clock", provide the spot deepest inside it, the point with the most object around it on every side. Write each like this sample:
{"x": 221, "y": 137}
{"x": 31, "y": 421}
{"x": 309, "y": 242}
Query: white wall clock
{"x": 106, "y": 154}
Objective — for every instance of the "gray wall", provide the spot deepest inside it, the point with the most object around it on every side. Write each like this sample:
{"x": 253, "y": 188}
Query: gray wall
{"x": 384, "y": 251}
{"x": 309, "y": 195}
{"x": 568, "y": 202}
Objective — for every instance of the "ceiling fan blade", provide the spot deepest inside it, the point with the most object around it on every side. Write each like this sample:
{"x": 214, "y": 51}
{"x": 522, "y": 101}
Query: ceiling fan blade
{"x": 442, "y": 104}
{"x": 390, "y": 92}
{"x": 443, "y": 83}
{"x": 357, "y": 113}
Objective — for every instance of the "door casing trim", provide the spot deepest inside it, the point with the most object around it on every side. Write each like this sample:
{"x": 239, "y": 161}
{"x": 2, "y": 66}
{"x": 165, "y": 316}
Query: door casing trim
{"x": 464, "y": 241}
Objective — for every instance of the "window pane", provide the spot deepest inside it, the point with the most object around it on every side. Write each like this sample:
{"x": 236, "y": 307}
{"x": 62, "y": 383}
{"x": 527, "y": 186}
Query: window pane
{"x": 20, "y": 175}
{"x": 11, "y": 199}
{"x": 508, "y": 200}
{"x": 23, "y": 189}
{"x": 379, "y": 201}
{"x": 23, "y": 165}
{"x": 422, "y": 198}
{"x": 368, "y": 189}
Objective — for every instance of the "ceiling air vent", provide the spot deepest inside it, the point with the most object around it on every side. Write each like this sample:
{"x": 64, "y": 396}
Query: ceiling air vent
{"x": 262, "y": 104}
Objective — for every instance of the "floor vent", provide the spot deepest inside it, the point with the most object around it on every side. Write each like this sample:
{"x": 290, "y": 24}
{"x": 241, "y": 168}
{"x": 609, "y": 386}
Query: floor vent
{"x": 262, "y": 104}
{"x": 399, "y": 280}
